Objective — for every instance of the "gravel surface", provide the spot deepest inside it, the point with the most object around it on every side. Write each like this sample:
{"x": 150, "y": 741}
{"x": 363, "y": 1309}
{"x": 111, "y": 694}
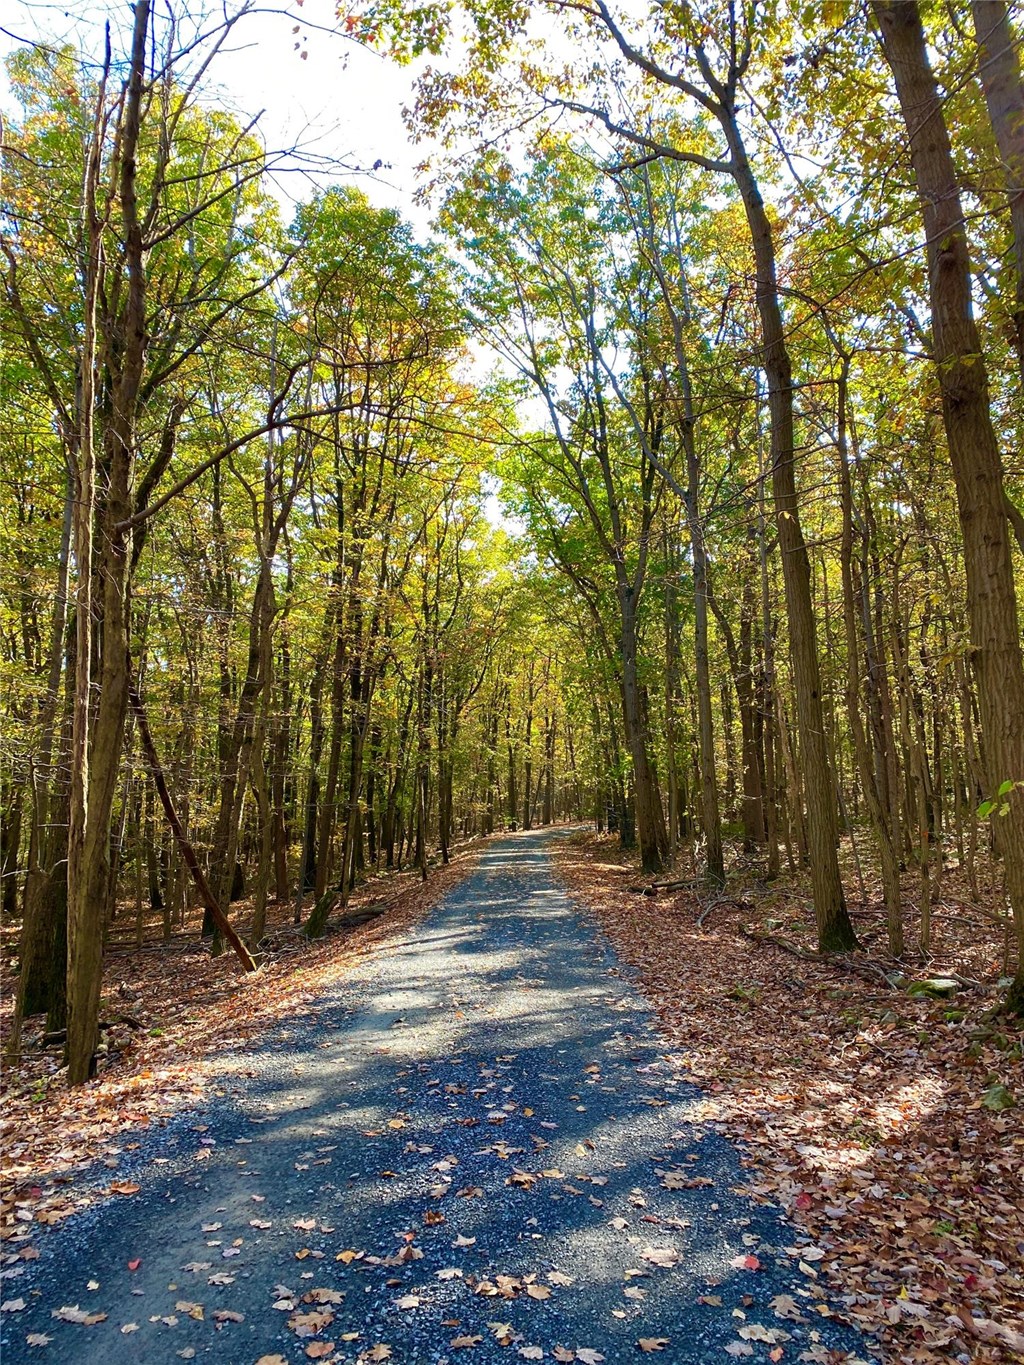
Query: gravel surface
{"x": 483, "y": 1105}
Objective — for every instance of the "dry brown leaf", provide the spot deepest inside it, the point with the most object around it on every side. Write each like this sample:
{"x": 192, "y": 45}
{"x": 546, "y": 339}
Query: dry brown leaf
{"x": 78, "y": 1315}
{"x": 311, "y": 1323}
{"x": 324, "y": 1296}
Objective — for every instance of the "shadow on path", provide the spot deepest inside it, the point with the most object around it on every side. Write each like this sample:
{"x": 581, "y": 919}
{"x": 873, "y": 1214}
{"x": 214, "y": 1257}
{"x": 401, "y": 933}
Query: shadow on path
{"x": 485, "y": 1098}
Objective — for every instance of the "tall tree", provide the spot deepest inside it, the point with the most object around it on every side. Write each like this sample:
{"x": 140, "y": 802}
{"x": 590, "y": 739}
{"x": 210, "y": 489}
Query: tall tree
{"x": 974, "y": 453}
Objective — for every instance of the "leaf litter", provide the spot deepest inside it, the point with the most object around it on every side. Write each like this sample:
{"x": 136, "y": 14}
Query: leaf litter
{"x": 874, "y": 1116}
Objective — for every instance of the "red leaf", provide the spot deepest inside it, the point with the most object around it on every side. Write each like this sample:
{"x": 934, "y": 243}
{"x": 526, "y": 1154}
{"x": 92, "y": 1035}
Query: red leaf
{"x": 745, "y": 1263}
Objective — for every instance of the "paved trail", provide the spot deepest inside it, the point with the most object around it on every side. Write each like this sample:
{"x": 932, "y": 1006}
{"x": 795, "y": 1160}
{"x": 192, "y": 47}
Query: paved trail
{"x": 482, "y": 1099}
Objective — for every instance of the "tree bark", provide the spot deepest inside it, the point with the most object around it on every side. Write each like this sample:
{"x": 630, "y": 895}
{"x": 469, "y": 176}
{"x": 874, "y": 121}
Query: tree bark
{"x": 1000, "y": 75}
{"x": 973, "y": 448}
{"x": 835, "y": 929}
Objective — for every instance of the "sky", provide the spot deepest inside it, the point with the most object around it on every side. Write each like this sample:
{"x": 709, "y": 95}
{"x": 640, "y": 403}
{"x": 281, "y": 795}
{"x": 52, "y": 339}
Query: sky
{"x": 340, "y": 101}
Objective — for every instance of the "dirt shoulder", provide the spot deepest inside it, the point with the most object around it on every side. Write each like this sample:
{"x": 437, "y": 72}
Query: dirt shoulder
{"x": 176, "y": 1010}
{"x": 873, "y": 1116}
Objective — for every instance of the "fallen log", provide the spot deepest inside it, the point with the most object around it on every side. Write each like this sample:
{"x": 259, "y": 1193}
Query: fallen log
{"x": 660, "y": 888}
{"x": 859, "y": 965}
{"x": 60, "y": 1035}
{"x": 188, "y": 853}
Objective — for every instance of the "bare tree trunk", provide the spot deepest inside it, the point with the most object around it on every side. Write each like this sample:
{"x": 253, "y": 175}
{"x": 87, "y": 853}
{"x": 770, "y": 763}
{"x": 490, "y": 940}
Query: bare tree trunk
{"x": 973, "y": 448}
{"x": 45, "y": 852}
{"x": 835, "y": 930}
{"x": 1000, "y": 74}
{"x": 650, "y": 825}
{"x": 874, "y": 798}
{"x": 88, "y": 824}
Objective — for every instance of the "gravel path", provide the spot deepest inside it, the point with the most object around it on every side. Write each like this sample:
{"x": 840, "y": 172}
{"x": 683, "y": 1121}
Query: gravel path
{"x": 468, "y": 1141}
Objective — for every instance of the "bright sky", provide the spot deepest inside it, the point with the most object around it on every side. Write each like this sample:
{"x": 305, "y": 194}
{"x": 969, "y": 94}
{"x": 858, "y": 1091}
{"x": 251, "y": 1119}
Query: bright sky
{"x": 341, "y": 101}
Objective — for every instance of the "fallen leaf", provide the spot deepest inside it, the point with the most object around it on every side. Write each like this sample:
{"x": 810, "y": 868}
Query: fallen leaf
{"x": 749, "y": 1262}
{"x": 78, "y": 1315}
{"x": 312, "y": 1323}
{"x": 324, "y": 1296}
{"x": 756, "y": 1331}
{"x": 653, "y": 1343}
{"x": 785, "y": 1306}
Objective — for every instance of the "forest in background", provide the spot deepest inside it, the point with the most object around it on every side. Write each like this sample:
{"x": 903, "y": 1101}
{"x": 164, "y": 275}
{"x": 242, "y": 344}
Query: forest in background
{"x": 750, "y": 286}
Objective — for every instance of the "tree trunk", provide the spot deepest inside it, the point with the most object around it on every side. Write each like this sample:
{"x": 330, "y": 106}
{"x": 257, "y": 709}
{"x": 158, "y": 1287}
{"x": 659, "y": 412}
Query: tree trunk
{"x": 835, "y": 930}
{"x": 878, "y": 812}
{"x": 973, "y": 448}
{"x": 650, "y": 826}
{"x": 1000, "y": 74}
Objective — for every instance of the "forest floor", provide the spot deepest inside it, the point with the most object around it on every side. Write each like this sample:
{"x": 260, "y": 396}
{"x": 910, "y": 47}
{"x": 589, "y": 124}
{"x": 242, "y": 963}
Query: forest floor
{"x": 887, "y": 1125}
{"x": 486, "y": 1071}
{"x": 470, "y": 1145}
